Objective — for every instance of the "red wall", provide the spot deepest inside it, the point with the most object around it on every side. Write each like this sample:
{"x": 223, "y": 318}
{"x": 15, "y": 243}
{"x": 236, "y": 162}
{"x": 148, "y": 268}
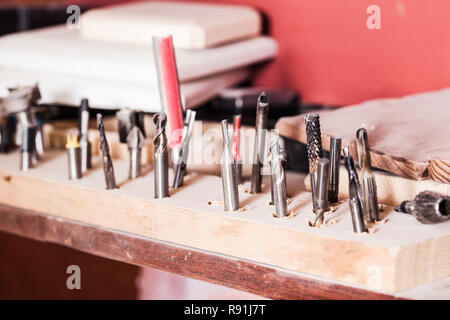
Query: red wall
{"x": 328, "y": 53}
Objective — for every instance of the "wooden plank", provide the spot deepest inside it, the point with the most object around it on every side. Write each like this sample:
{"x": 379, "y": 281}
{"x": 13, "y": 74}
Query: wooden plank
{"x": 406, "y": 135}
{"x": 388, "y": 258}
{"x": 145, "y": 252}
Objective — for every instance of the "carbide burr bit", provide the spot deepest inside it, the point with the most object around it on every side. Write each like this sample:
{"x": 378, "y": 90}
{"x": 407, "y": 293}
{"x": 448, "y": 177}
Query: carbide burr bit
{"x": 278, "y": 176}
{"x": 321, "y": 194}
{"x": 228, "y": 171}
{"x": 180, "y": 168}
{"x": 160, "y": 157}
{"x": 107, "y": 162}
{"x": 354, "y": 193}
{"x": 262, "y": 112}
{"x": 74, "y": 156}
{"x": 135, "y": 143}
{"x": 27, "y": 146}
{"x": 369, "y": 198}
{"x": 83, "y": 138}
{"x": 335, "y": 163}
{"x": 236, "y": 145}
{"x": 314, "y": 149}
{"x": 428, "y": 207}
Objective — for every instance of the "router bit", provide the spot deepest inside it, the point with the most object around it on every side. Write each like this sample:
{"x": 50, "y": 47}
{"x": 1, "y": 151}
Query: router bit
{"x": 314, "y": 149}
{"x": 183, "y": 150}
{"x": 160, "y": 157}
{"x": 321, "y": 190}
{"x": 228, "y": 171}
{"x": 107, "y": 162}
{"x": 27, "y": 146}
{"x": 335, "y": 163}
{"x": 355, "y": 194}
{"x": 428, "y": 207}
{"x": 369, "y": 198}
{"x": 236, "y": 145}
{"x": 136, "y": 142}
{"x": 74, "y": 156}
{"x": 278, "y": 176}
{"x": 262, "y": 112}
{"x": 127, "y": 119}
{"x": 83, "y": 138}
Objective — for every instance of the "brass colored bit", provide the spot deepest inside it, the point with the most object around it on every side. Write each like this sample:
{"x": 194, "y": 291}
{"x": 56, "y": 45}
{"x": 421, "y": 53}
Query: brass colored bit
{"x": 369, "y": 196}
{"x": 314, "y": 149}
{"x": 108, "y": 169}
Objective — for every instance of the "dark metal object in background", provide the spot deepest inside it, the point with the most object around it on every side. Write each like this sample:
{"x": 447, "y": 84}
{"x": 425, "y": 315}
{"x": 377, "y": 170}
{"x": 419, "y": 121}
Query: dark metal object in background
{"x": 27, "y": 146}
{"x": 314, "y": 149}
{"x": 229, "y": 174}
{"x": 135, "y": 143}
{"x": 74, "y": 157}
{"x": 127, "y": 119}
{"x": 321, "y": 190}
{"x": 278, "y": 176}
{"x": 180, "y": 168}
{"x": 83, "y": 137}
{"x": 428, "y": 207}
{"x": 369, "y": 197}
{"x": 160, "y": 157}
{"x": 236, "y": 145}
{"x": 355, "y": 194}
{"x": 260, "y": 139}
{"x": 335, "y": 164}
{"x": 108, "y": 169}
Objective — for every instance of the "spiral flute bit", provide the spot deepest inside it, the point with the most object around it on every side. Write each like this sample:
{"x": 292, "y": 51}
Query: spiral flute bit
{"x": 136, "y": 142}
{"x": 314, "y": 149}
{"x": 428, "y": 207}
{"x": 278, "y": 176}
{"x": 367, "y": 181}
{"x": 355, "y": 194}
{"x": 83, "y": 138}
{"x": 160, "y": 157}
{"x": 335, "y": 164}
{"x": 262, "y": 113}
{"x": 107, "y": 162}
{"x": 180, "y": 168}
{"x": 229, "y": 174}
{"x": 321, "y": 194}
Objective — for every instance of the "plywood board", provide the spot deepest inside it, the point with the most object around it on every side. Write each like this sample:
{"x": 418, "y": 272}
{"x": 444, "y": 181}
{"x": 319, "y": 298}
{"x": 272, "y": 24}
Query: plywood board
{"x": 388, "y": 258}
{"x": 407, "y": 136}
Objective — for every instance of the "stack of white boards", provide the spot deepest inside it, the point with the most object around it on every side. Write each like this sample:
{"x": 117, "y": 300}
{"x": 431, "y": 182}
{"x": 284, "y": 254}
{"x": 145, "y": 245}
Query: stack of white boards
{"x": 109, "y": 59}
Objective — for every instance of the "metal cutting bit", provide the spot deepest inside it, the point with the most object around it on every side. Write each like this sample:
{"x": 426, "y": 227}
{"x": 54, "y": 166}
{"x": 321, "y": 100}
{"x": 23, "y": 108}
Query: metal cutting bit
{"x": 278, "y": 176}
{"x": 180, "y": 168}
{"x": 355, "y": 194}
{"x": 335, "y": 163}
{"x": 27, "y": 146}
{"x": 321, "y": 195}
{"x": 262, "y": 112}
{"x": 108, "y": 169}
{"x": 74, "y": 156}
{"x": 428, "y": 207}
{"x": 228, "y": 171}
{"x": 314, "y": 149}
{"x": 136, "y": 142}
{"x": 83, "y": 138}
{"x": 160, "y": 157}
{"x": 368, "y": 184}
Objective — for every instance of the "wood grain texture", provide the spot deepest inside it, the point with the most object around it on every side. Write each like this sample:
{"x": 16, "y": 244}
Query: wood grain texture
{"x": 407, "y": 136}
{"x": 145, "y": 252}
{"x": 386, "y": 259}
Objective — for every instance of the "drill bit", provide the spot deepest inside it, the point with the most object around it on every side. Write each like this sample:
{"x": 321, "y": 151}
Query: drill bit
{"x": 236, "y": 145}
{"x": 335, "y": 163}
{"x": 369, "y": 196}
{"x": 278, "y": 176}
{"x": 27, "y": 146}
{"x": 136, "y": 142}
{"x": 314, "y": 149}
{"x": 428, "y": 207}
{"x": 262, "y": 112}
{"x": 83, "y": 138}
{"x": 228, "y": 171}
{"x": 355, "y": 194}
{"x": 107, "y": 162}
{"x": 180, "y": 168}
{"x": 160, "y": 157}
{"x": 321, "y": 194}
{"x": 74, "y": 156}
